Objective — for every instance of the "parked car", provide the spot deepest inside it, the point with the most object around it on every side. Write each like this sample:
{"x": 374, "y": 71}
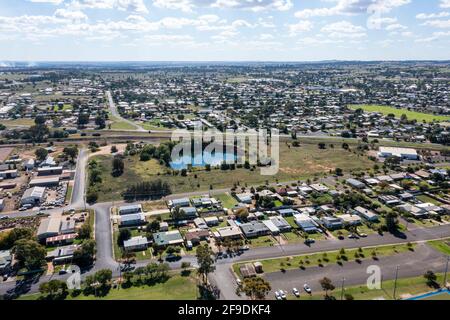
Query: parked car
{"x": 353, "y": 236}
{"x": 363, "y": 235}
{"x": 309, "y": 241}
{"x": 307, "y": 288}
{"x": 283, "y": 295}
{"x": 278, "y": 296}
{"x": 296, "y": 292}
{"x": 4, "y": 217}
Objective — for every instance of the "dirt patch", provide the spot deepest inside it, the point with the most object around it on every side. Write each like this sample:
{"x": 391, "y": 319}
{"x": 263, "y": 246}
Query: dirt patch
{"x": 106, "y": 150}
{"x": 4, "y": 153}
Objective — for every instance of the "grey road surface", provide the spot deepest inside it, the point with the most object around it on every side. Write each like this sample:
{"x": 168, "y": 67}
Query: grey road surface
{"x": 410, "y": 264}
{"x": 116, "y": 113}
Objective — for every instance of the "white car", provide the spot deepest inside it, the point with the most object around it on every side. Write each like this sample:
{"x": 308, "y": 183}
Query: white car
{"x": 307, "y": 288}
{"x": 278, "y": 296}
{"x": 296, "y": 292}
{"x": 283, "y": 294}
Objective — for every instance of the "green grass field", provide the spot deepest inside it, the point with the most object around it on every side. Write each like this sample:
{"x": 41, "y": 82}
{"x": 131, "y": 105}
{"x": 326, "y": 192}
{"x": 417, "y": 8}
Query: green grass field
{"x": 176, "y": 288}
{"x": 412, "y": 115}
{"x": 302, "y": 163}
{"x": 405, "y": 287}
{"x": 227, "y": 200}
{"x": 441, "y": 245}
{"x": 25, "y": 122}
{"x": 327, "y": 258}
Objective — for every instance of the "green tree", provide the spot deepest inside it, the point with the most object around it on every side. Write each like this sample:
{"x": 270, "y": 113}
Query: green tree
{"x": 326, "y": 285}
{"x": 84, "y": 255}
{"x": 71, "y": 152}
{"x": 41, "y": 154}
{"x": 118, "y": 166}
{"x": 53, "y": 290}
{"x": 29, "y": 254}
{"x": 256, "y": 288}
{"x": 124, "y": 235}
{"x": 205, "y": 262}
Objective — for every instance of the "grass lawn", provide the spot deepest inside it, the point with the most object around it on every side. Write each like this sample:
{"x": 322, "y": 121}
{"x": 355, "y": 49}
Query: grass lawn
{"x": 140, "y": 255}
{"x": 326, "y": 258}
{"x": 227, "y": 200}
{"x": 426, "y": 223}
{"x": 264, "y": 241}
{"x": 441, "y": 245}
{"x": 406, "y": 286}
{"x": 18, "y": 122}
{"x": 425, "y": 198}
{"x": 412, "y": 115}
{"x": 69, "y": 192}
{"x": 303, "y": 162}
{"x": 122, "y": 125}
{"x": 176, "y": 288}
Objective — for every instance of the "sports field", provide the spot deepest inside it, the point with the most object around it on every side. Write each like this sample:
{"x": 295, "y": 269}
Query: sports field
{"x": 412, "y": 115}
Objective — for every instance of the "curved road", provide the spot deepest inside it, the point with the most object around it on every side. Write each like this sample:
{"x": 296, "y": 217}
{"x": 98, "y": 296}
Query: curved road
{"x": 116, "y": 114}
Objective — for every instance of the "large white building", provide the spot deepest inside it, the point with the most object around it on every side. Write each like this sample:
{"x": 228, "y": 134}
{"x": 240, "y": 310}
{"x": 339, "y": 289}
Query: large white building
{"x": 403, "y": 153}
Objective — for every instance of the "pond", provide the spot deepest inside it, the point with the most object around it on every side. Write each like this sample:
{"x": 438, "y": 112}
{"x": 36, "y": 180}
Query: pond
{"x": 201, "y": 160}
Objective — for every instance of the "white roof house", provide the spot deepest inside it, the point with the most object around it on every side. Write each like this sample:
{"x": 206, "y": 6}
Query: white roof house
{"x": 33, "y": 196}
{"x": 403, "y": 153}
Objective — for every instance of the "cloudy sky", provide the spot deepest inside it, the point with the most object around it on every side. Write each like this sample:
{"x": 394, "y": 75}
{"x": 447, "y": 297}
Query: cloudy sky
{"x": 224, "y": 30}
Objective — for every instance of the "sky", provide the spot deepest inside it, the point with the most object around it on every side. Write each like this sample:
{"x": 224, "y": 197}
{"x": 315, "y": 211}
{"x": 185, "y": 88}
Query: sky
{"x": 224, "y": 30}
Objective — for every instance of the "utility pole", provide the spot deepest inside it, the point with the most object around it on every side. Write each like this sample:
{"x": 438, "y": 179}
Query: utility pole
{"x": 446, "y": 270}
{"x": 342, "y": 288}
{"x": 395, "y": 283}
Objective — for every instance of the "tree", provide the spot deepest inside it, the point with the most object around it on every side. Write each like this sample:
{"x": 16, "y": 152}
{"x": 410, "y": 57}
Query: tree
{"x": 205, "y": 262}
{"x": 29, "y": 254}
{"x": 85, "y": 231}
{"x": 321, "y": 145}
{"x": 39, "y": 120}
{"x": 338, "y": 172}
{"x": 177, "y": 213}
{"x": 391, "y": 222}
{"x": 53, "y": 290}
{"x": 41, "y": 154}
{"x": 9, "y": 238}
{"x": 124, "y": 235}
{"x": 431, "y": 278}
{"x": 83, "y": 119}
{"x": 256, "y": 288}
{"x": 100, "y": 122}
{"x": 118, "y": 166}
{"x": 128, "y": 257}
{"x": 327, "y": 285}
{"x": 71, "y": 152}
{"x": 84, "y": 255}
{"x": 91, "y": 196}
{"x": 114, "y": 149}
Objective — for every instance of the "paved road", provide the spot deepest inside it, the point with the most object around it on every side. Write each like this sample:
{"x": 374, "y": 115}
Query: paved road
{"x": 227, "y": 282}
{"x": 79, "y": 187}
{"x": 116, "y": 113}
{"x": 411, "y": 264}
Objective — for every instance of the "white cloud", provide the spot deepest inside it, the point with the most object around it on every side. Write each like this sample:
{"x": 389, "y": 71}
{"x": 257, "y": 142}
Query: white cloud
{"x": 72, "y": 15}
{"x": 344, "y": 29}
{"x": 445, "y": 4}
{"x": 55, "y": 2}
{"x": 437, "y": 23}
{"x": 352, "y": 7}
{"x": 137, "y": 6}
{"x": 396, "y": 27}
{"x": 424, "y": 16}
{"x": 252, "y": 5}
{"x": 300, "y": 26}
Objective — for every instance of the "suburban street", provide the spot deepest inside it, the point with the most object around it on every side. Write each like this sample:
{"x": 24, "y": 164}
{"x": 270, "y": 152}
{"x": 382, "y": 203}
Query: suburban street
{"x": 116, "y": 114}
{"x": 223, "y": 277}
